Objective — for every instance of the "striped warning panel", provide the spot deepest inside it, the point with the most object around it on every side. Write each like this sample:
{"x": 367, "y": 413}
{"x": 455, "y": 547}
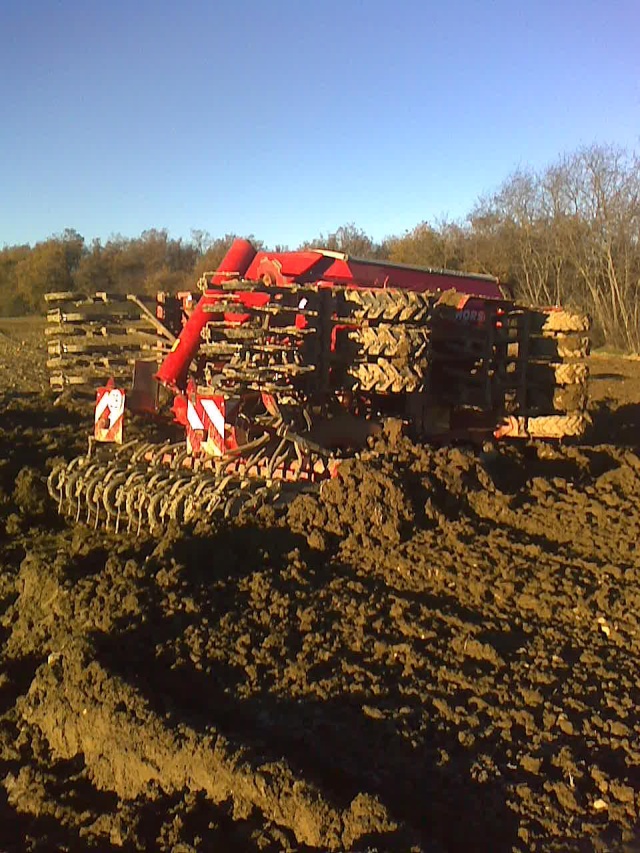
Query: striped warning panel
{"x": 109, "y": 414}
{"x": 206, "y": 425}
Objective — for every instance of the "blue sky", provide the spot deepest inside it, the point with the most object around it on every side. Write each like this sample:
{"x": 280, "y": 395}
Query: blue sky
{"x": 286, "y": 119}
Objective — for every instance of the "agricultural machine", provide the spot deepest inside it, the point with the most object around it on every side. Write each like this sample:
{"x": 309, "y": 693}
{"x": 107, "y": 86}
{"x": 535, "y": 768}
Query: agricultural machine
{"x": 285, "y": 365}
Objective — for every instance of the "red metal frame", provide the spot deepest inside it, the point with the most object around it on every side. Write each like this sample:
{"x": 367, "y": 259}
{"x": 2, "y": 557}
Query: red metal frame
{"x": 323, "y": 268}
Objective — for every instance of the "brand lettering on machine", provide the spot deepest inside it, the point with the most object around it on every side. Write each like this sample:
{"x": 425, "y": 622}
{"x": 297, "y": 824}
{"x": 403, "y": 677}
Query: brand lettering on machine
{"x": 470, "y": 315}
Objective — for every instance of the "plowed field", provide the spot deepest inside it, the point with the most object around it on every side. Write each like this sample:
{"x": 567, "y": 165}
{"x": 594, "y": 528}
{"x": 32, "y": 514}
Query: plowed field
{"x": 440, "y": 652}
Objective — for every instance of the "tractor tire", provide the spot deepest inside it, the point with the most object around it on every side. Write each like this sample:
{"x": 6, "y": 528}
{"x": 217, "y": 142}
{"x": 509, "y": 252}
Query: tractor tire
{"x": 392, "y": 341}
{"x": 558, "y": 426}
{"x": 543, "y": 375}
{"x": 400, "y": 306}
{"x": 563, "y": 321}
{"x": 383, "y": 377}
{"x": 566, "y": 398}
{"x": 558, "y": 347}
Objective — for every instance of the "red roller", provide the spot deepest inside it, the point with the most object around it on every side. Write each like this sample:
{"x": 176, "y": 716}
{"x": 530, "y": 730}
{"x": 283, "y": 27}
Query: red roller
{"x": 173, "y": 370}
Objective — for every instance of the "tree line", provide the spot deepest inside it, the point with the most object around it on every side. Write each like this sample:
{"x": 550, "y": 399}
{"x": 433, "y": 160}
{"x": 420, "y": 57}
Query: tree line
{"x": 567, "y": 234}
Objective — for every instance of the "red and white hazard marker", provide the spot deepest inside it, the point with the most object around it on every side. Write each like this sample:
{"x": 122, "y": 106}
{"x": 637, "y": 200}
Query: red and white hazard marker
{"x": 206, "y": 425}
{"x": 109, "y": 414}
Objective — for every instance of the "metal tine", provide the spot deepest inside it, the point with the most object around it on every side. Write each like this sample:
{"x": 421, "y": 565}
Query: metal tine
{"x": 77, "y": 484}
{"x": 228, "y": 507}
{"x": 120, "y": 498}
{"x": 247, "y": 498}
{"x": 157, "y": 504}
{"x": 210, "y": 481}
{"x": 140, "y": 507}
{"x": 70, "y": 482}
{"x": 94, "y": 493}
{"x": 188, "y": 508}
{"x": 60, "y": 487}
{"x": 91, "y": 495}
{"x": 130, "y": 490}
{"x": 179, "y": 458}
{"x": 160, "y": 450}
{"x": 175, "y": 493}
{"x": 255, "y": 458}
{"x": 88, "y": 504}
{"x": 128, "y": 446}
{"x": 139, "y": 452}
{"x": 214, "y": 503}
{"x": 112, "y": 482}
{"x": 141, "y": 497}
{"x": 273, "y": 455}
{"x": 170, "y": 497}
{"x": 157, "y": 480}
{"x": 206, "y": 496}
{"x": 277, "y": 457}
{"x": 92, "y": 481}
{"x": 173, "y": 505}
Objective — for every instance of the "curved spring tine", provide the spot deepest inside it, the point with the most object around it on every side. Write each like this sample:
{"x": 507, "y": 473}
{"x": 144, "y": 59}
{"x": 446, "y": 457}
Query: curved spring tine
{"x": 255, "y": 458}
{"x": 130, "y": 490}
{"x": 158, "y": 493}
{"x": 95, "y": 492}
{"x": 157, "y": 504}
{"x": 277, "y": 457}
{"x": 135, "y": 500}
{"x": 251, "y": 446}
{"x": 159, "y": 452}
{"x": 130, "y": 445}
{"x": 92, "y": 477}
{"x": 109, "y": 485}
{"x": 240, "y": 494}
{"x": 207, "y": 481}
{"x": 178, "y": 491}
{"x": 179, "y": 481}
{"x": 139, "y": 453}
{"x": 75, "y": 484}
{"x": 214, "y": 502}
{"x": 56, "y": 492}
{"x": 72, "y": 475}
{"x": 191, "y": 499}
{"x": 179, "y": 458}
{"x": 169, "y": 497}
{"x": 173, "y": 506}
{"x": 157, "y": 481}
{"x": 187, "y": 508}
{"x": 110, "y": 491}
{"x": 140, "y": 507}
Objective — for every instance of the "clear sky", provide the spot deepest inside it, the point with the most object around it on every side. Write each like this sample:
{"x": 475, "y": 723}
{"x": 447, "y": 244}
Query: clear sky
{"x": 287, "y": 118}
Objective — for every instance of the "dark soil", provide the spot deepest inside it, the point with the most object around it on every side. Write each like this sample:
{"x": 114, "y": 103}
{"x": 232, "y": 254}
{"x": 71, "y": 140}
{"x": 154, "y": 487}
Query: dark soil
{"x": 438, "y": 652}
